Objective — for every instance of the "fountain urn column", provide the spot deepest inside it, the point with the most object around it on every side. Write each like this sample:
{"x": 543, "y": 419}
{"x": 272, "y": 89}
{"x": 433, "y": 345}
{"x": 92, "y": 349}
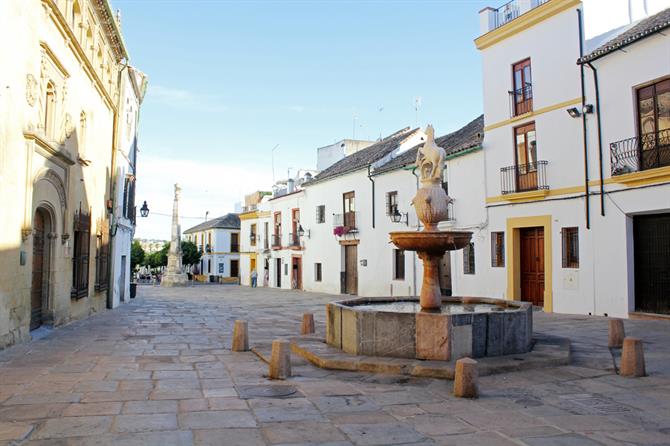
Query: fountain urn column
{"x": 174, "y": 276}
{"x": 431, "y": 294}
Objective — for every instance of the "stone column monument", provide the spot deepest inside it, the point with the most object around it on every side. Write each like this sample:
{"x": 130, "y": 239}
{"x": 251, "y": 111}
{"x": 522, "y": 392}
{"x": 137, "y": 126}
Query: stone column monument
{"x": 175, "y": 275}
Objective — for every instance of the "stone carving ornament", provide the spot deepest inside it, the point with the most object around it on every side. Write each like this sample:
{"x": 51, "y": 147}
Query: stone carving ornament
{"x": 31, "y": 89}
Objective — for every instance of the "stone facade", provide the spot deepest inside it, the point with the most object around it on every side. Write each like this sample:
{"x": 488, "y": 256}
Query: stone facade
{"x": 59, "y": 102}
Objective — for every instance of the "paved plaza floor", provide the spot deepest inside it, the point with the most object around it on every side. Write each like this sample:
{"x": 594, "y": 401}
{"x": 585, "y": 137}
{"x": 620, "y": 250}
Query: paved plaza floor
{"x": 159, "y": 371}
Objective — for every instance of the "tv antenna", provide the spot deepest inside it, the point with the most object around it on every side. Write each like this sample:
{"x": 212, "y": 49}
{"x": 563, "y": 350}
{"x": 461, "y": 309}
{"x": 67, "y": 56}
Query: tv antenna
{"x": 417, "y": 106}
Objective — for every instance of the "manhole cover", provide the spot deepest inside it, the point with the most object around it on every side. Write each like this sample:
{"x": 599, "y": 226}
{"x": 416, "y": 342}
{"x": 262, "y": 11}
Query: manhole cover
{"x": 248, "y": 392}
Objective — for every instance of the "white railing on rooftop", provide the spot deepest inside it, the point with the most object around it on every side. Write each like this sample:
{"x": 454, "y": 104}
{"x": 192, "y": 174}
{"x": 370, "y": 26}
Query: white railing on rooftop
{"x": 492, "y": 18}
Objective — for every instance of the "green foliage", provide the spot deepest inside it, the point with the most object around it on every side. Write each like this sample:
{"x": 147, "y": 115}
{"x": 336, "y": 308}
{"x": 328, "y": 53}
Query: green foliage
{"x": 136, "y": 255}
{"x": 190, "y": 253}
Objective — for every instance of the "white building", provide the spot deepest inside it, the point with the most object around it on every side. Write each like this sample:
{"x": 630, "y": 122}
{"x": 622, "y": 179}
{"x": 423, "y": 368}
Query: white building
{"x": 133, "y": 88}
{"x": 328, "y": 155}
{"x": 553, "y": 235}
{"x": 219, "y": 241}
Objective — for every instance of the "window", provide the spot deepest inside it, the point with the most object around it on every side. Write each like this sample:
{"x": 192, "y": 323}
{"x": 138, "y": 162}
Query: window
{"x": 321, "y": 214}
{"x": 276, "y": 237}
{"x": 129, "y": 198}
{"x": 49, "y": 109}
{"x": 570, "y": 238}
{"x": 74, "y": 20}
{"x": 398, "y": 264}
{"x": 445, "y": 180}
{"x": 469, "y": 259}
{"x": 209, "y": 266}
{"x": 654, "y": 124}
{"x": 349, "y": 209}
{"x": 391, "y": 203}
{"x": 317, "y": 272}
{"x": 82, "y": 240}
{"x": 497, "y": 249}
{"x": 102, "y": 257}
{"x": 526, "y": 157}
{"x": 266, "y": 235}
{"x": 522, "y": 93}
{"x": 220, "y": 268}
{"x": 234, "y": 242}
{"x": 252, "y": 235}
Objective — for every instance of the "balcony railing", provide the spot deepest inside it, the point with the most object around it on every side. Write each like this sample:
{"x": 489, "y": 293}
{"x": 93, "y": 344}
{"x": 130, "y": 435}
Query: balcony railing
{"x": 276, "y": 241}
{"x": 513, "y": 9}
{"x": 294, "y": 240}
{"x": 648, "y": 151}
{"x": 234, "y": 247}
{"x": 346, "y": 220}
{"x": 521, "y": 100}
{"x": 523, "y": 177}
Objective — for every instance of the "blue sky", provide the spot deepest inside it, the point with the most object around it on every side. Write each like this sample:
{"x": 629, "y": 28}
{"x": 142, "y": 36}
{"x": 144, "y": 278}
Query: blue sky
{"x": 230, "y": 79}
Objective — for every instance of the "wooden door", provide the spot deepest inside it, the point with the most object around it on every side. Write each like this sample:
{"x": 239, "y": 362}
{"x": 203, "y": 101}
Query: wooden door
{"x": 37, "y": 286}
{"x": 532, "y": 265}
{"x": 296, "y": 280}
{"x": 351, "y": 269}
{"x": 278, "y": 273}
{"x": 651, "y": 236}
{"x": 252, "y": 268}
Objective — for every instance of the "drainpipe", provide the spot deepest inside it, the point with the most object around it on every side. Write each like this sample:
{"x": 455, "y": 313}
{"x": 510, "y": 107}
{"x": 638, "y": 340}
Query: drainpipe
{"x": 600, "y": 138}
{"x": 586, "y": 159}
{"x": 373, "y": 195}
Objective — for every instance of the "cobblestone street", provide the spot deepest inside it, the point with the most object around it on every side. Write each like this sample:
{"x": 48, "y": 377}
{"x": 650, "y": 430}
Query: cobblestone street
{"x": 160, "y": 371}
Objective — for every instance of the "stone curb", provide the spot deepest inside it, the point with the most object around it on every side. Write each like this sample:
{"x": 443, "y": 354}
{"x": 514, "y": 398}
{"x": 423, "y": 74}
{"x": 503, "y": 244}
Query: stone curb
{"x": 545, "y": 353}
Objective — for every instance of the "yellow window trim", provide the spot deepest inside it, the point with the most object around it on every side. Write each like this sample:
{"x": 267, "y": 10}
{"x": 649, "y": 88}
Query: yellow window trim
{"x": 533, "y": 113}
{"x": 513, "y": 256}
{"x": 524, "y": 21}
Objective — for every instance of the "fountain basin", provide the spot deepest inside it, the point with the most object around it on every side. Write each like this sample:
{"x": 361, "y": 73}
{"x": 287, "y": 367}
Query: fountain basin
{"x": 431, "y": 242}
{"x": 461, "y": 327}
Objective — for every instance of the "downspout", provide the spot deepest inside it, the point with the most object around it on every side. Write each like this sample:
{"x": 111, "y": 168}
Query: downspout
{"x": 586, "y": 159}
{"x": 112, "y": 176}
{"x": 600, "y": 138}
{"x": 373, "y": 195}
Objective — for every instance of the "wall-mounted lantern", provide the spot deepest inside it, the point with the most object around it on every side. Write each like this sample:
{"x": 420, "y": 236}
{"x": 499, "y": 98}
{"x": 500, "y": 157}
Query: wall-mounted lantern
{"x": 144, "y": 210}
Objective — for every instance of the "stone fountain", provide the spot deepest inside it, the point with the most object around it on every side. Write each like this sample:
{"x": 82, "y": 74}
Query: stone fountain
{"x": 435, "y": 327}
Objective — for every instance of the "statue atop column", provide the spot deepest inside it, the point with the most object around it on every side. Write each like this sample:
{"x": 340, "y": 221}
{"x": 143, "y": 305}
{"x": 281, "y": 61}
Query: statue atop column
{"x": 175, "y": 276}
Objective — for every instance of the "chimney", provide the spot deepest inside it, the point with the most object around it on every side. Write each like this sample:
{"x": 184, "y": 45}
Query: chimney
{"x": 290, "y": 186}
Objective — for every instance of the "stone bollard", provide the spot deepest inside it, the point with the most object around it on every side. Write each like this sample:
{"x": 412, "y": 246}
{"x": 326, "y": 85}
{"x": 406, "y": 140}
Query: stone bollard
{"x": 616, "y": 333}
{"x": 632, "y": 358}
{"x": 280, "y": 361}
{"x": 465, "y": 381}
{"x": 240, "y": 337}
{"x": 307, "y": 326}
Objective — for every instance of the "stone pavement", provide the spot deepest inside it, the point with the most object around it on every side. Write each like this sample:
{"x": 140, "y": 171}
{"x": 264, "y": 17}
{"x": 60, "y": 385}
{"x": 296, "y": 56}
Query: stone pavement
{"x": 159, "y": 371}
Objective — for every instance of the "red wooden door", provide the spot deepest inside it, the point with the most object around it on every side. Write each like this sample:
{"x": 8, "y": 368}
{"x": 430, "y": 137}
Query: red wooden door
{"x": 532, "y": 265}
{"x": 37, "y": 286}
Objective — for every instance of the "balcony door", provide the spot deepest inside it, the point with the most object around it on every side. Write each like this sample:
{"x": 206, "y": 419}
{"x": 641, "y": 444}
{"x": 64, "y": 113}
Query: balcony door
{"x": 295, "y": 226}
{"x": 349, "y": 209}
{"x": 522, "y": 94}
{"x": 654, "y": 124}
{"x": 526, "y": 157}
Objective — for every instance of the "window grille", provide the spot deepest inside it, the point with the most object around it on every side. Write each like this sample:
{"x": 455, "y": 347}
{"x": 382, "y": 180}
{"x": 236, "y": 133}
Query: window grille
{"x": 80, "y": 259}
{"x": 497, "y": 249}
{"x": 469, "y": 259}
{"x": 570, "y": 238}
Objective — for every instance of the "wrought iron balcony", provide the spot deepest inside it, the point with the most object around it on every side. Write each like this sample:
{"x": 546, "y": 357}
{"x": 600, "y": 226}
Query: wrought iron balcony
{"x": 523, "y": 177}
{"x": 346, "y": 220}
{"x": 513, "y": 9}
{"x": 294, "y": 240}
{"x": 521, "y": 100}
{"x": 234, "y": 247}
{"x": 276, "y": 241}
{"x": 649, "y": 151}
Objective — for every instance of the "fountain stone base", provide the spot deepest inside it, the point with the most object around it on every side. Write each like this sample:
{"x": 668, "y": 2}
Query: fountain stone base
{"x": 461, "y": 327}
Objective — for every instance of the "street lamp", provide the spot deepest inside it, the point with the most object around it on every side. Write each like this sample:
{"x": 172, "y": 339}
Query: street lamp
{"x": 301, "y": 231}
{"x": 397, "y": 216}
{"x": 144, "y": 210}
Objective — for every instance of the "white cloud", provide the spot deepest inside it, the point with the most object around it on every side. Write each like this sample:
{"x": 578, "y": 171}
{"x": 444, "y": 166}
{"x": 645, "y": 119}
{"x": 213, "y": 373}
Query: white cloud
{"x": 180, "y": 98}
{"x": 206, "y": 186}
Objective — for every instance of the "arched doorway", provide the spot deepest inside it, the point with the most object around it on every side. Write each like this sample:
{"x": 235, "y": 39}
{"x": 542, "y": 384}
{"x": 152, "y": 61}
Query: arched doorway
{"x": 40, "y": 278}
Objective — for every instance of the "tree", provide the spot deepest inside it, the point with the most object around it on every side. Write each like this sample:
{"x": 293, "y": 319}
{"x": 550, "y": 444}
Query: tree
{"x": 190, "y": 253}
{"x": 136, "y": 255}
{"x": 162, "y": 255}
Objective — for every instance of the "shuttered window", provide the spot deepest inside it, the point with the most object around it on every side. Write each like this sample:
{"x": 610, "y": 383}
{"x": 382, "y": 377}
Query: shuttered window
{"x": 469, "y": 259}
{"x": 497, "y": 249}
